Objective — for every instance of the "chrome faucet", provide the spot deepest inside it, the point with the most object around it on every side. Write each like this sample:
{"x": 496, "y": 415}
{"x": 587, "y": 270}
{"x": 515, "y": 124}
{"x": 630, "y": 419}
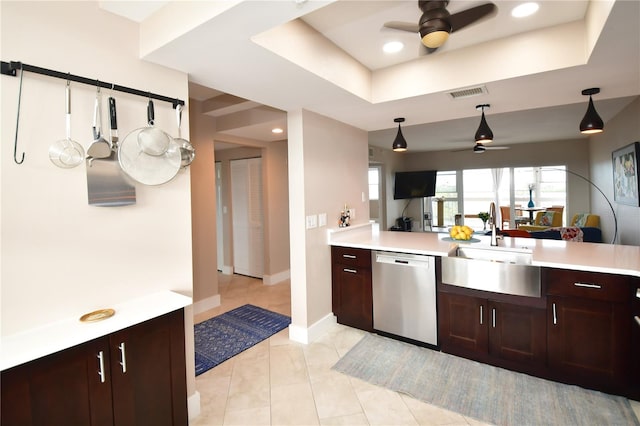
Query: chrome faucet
{"x": 492, "y": 224}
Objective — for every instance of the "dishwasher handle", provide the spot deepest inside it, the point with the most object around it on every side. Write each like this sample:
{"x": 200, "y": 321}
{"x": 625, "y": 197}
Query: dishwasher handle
{"x": 400, "y": 260}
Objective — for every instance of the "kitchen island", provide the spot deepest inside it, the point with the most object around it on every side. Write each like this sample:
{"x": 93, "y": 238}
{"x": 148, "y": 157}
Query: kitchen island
{"x": 590, "y": 257}
{"x": 582, "y": 327}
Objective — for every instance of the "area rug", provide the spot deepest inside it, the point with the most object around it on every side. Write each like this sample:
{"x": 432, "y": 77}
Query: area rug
{"x": 219, "y": 338}
{"x": 480, "y": 391}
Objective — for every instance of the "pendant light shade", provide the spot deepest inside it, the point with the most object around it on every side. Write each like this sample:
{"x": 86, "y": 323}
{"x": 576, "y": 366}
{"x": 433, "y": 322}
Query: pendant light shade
{"x": 399, "y": 144}
{"x": 484, "y": 133}
{"x": 591, "y": 123}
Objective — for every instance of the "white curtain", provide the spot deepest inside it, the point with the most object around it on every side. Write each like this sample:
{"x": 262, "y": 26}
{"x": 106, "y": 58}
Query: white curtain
{"x": 496, "y": 175}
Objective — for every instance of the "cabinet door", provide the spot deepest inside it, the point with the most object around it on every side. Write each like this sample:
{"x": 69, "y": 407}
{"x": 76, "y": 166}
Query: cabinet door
{"x": 149, "y": 377}
{"x": 462, "y": 324}
{"x": 355, "y": 296}
{"x": 589, "y": 341}
{"x": 71, "y": 387}
{"x": 517, "y": 333}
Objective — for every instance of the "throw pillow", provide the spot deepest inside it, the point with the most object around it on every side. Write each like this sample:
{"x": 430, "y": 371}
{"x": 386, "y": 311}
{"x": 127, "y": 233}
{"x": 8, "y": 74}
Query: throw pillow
{"x": 546, "y": 219}
{"x": 581, "y": 220}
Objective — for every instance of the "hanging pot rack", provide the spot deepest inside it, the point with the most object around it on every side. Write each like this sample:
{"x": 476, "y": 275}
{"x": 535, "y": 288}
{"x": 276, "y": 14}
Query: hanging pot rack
{"x": 11, "y": 68}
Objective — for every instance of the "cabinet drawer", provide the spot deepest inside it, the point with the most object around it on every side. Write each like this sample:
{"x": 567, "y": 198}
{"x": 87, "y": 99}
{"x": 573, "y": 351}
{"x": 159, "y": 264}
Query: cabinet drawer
{"x": 351, "y": 257}
{"x": 590, "y": 285}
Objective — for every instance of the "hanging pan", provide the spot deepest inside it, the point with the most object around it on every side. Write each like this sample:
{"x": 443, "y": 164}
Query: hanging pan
{"x": 66, "y": 153}
{"x": 187, "y": 152}
{"x": 148, "y": 155}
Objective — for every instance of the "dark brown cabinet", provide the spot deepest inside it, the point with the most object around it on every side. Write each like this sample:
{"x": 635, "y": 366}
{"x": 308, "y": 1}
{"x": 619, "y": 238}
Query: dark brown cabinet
{"x": 589, "y": 328}
{"x": 352, "y": 299}
{"x": 635, "y": 340}
{"x": 492, "y": 331}
{"x": 135, "y": 376}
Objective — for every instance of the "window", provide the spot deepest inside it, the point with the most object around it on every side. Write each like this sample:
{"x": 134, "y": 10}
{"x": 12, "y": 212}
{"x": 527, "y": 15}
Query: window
{"x": 447, "y": 190}
{"x": 470, "y": 192}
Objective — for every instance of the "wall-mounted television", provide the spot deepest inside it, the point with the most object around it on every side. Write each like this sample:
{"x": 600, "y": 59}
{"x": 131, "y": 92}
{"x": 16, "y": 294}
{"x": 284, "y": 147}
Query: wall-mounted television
{"x": 415, "y": 184}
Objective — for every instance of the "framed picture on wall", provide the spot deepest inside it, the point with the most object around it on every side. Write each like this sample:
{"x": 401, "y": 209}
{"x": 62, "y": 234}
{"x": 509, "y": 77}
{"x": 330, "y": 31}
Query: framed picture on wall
{"x": 625, "y": 174}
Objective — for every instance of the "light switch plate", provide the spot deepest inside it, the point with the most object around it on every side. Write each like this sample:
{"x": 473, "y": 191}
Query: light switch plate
{"x": 322, "y": 219}
{"x": 312, "y": 221}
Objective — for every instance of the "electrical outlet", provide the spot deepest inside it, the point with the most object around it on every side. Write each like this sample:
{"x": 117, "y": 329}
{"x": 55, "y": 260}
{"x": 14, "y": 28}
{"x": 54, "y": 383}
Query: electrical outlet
{"x": 322, "y": 219}
{"x": 312, "y": 221}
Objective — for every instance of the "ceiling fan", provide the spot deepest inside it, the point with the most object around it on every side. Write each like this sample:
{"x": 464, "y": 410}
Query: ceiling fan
{"x": 479, "y": 148}
{"x": 436, "y": 23}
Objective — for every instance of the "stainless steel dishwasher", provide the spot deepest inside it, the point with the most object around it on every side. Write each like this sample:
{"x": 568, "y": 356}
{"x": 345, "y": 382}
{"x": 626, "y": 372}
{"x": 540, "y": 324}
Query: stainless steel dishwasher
{"x": 404, "y": 296}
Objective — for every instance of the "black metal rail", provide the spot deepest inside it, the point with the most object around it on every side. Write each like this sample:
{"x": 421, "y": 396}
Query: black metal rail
{"x": 11, "y": 68}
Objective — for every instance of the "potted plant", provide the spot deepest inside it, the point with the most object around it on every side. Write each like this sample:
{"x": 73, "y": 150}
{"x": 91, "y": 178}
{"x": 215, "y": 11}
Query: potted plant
{"x": 484, "y": 217}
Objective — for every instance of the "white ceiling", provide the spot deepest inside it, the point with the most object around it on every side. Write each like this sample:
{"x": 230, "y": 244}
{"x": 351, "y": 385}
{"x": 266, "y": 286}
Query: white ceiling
{"x": 326, "y": 57}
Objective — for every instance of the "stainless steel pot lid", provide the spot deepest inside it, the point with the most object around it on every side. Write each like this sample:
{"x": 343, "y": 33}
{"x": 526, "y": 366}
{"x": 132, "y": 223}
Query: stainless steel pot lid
{"x": 148, "y": 169}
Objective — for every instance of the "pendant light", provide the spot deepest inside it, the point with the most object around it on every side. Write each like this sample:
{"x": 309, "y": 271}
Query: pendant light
{"x": 484, "y": 133}
{"x": 399, "y": 144}
{"x": 591, "y": 123}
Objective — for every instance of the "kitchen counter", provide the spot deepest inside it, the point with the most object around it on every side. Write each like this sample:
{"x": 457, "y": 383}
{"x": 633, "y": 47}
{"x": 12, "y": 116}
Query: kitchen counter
{"x": 32, "y": 344}
{"x": 591, "y": 257}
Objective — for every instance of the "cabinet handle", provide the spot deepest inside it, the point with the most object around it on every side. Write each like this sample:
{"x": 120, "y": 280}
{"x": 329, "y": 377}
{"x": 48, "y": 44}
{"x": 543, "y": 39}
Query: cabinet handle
{"x": 638, "y": 293}
{"x": 587, "y": 285}
{"x": 349, "y": 256}
{"x": 493, "y": 317}
{"x": 637, "y": 318}
{"x": 123, "y": 357}
{"x": 101, "y": 367}
{"x": 351, "y": 271}
{"x": 481, "y": 315}
{"x": 555, "y": 318}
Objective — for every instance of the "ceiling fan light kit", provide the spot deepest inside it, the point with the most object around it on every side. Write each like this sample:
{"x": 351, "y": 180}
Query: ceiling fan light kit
{"x": 484, "y": 133}
{"x": 399, "y": 144}
{"x": 591, "y": 122}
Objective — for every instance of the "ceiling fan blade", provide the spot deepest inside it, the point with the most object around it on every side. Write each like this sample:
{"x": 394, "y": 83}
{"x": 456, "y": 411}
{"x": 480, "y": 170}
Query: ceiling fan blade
{"x": 471, "y": 16}
{"x": 496, "y": 148}
{"x": 402, "y": 26}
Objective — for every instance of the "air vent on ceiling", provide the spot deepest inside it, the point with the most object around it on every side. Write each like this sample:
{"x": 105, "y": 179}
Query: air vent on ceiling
{"x": 468, "y": 92}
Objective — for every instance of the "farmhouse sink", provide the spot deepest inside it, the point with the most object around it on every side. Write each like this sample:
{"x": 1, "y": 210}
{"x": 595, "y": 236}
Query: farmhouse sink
{"x": 494, "y": 269}
{"x": 496, "y": 254}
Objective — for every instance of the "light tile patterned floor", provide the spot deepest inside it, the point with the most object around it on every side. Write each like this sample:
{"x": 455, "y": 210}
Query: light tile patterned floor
{"x": 280, "y": 382}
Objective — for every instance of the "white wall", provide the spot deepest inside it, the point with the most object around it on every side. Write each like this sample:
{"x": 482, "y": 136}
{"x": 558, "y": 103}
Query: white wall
{"x": 61, "y": 257}
{"x": 618, "y": 132}
{"x": 328, "y": 166}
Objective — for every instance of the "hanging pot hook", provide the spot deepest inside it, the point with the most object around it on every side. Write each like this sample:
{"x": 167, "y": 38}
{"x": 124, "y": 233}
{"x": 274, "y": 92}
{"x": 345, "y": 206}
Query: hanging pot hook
{"x": 15, "y": 142}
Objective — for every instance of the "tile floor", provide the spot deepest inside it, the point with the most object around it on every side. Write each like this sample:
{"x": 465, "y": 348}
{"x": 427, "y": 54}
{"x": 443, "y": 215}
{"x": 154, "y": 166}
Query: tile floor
{"x": 280, "y": 382}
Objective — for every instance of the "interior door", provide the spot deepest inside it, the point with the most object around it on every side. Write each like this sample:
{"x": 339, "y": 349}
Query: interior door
{"x": 247, "y": 217}
{"x": 219, "y": 217}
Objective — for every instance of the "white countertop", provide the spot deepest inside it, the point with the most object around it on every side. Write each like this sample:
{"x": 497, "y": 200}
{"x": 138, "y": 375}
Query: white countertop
{"x": 32, "y": 344}
{"x": 592, "y": 257}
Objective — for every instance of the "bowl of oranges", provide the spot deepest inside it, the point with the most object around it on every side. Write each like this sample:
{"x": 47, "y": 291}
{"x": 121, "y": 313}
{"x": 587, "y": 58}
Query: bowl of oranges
{"x": 461, "y": 233}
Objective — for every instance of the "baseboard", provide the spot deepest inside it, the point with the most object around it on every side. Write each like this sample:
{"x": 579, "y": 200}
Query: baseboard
{"x": 308, "y": 335}
{"x": 193, "y": 405}
{"x": 227, "y": 270}
{"x": 206, "y": 304}
{"x": 276, "y": 278}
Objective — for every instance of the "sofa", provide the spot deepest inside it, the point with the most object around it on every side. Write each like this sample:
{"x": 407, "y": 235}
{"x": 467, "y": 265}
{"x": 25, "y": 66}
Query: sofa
{"x": 544, "y": 220}
{"x": 584, "y": 227}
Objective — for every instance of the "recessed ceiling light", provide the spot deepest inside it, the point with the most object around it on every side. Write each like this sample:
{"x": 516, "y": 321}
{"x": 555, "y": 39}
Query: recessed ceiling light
{"x": 277, "y": 130}
{"x": 524, "y": 10}
{"x": 393, "y": 47}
